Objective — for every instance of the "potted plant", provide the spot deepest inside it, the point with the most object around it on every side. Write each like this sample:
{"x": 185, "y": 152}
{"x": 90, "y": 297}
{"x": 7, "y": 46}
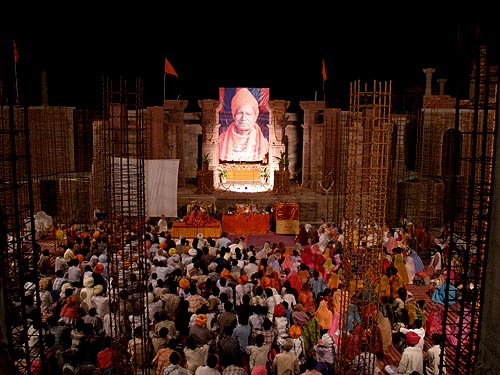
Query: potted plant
{"x": 205, "y": 161}
{"x": 264, "y": 175}
{"x": 282, "y": 160}
{"x": 222, "y": 174}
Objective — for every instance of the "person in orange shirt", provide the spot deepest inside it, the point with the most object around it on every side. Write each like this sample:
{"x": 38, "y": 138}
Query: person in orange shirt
{"x": 306, "y": 298}
{"x": 195, "y": 217}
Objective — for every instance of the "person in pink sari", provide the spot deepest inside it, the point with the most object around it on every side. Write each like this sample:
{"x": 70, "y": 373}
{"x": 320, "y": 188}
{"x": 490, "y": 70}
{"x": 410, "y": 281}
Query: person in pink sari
{"x": 288, "y": 263}
{"x": 460, "y": 332}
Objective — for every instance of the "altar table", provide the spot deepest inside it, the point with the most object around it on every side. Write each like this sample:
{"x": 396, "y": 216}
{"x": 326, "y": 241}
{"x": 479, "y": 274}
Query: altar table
{"x": 246, "y": 223}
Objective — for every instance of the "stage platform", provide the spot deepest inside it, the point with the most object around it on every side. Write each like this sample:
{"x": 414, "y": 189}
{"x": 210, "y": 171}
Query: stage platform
{"x": 313, "y": 206}
{"x": 190, "y": 231}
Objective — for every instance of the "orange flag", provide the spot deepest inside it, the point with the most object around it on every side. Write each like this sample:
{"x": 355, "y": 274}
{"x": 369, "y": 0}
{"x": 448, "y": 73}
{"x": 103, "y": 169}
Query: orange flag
{"x": 16, "y": 52}
{"x": 169, "y": 69}
{"x": 323, "y": 70}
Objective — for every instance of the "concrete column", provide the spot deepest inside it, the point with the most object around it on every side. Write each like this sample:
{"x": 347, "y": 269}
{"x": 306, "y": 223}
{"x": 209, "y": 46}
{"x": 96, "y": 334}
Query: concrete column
{"x": 294, "y": 148}
{"x": 442, "y": 82}
{"x": 428, "y": 80}
{"x": 311, "y": 110}
{"x": 210, "y": 129}
{"x": 277, "y": 124}
{"x": 176, "y": 128}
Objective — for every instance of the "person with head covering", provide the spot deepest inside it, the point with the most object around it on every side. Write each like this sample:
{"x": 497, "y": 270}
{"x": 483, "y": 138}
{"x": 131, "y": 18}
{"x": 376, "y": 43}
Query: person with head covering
{"x": 317, "y": 283}
{"x": 97, "y": 275}
{"x": 100, "y": 301}
{"x": 288, "y": 263}
{"x": 303, "y": 236}
{"x": 295, "y": 333}
{"x": 412, "y": 358}
{"x": 103, "y": 259}
{"x": 400, "y": 265}
{"x": 240, "y": 290}
{"x": 299, "y": 316}
{"x": 199, "y": 331}
{"x": 324, "y": 316}
{"x": 280, "y": 320}
{"x": 418, "y": 329}
{"x": 60, "y": 262}
{"x": 243, "y": 139}
{"x": 273, "y": 262}
{"x": 86, "y": 294}
{"x": 46, "y": 301}
{"x": 69, "y": 312}
{"x": 325, "y": 350}
{"x": 306, "y": 298}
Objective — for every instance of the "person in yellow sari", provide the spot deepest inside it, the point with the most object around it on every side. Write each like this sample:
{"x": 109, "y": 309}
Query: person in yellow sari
{"x": 324, "y": 316}
{"x": 385, "y": 326}
{"x": 333, "y": 280}
{"x": 400, "y": 265}
{"x": 341, "y": 300}
{"x": 395, "y": 281}
{"x": 384, "y": 288}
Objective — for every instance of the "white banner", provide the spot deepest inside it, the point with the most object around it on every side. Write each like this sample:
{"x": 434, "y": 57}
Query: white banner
{"x": 161, "y": 187}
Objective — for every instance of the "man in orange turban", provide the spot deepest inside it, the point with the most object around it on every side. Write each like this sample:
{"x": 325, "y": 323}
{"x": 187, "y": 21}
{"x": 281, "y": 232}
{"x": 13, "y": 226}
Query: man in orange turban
{"x": 265, "y": 282}
{"x": 243, "y": 139}
{"x": 201, "y": 320}
{"x": 184, "y": 283}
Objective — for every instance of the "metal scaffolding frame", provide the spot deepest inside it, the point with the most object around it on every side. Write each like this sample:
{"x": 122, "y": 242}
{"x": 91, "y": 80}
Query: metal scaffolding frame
{"x": 123, "y": 149}
{"x": 367, "y": 138}
{"x": 21, "y": 328}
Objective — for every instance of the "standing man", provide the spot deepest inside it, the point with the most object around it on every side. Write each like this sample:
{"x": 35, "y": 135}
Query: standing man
{"x": 286, "y": 362}
{"x": 432, "y": 357}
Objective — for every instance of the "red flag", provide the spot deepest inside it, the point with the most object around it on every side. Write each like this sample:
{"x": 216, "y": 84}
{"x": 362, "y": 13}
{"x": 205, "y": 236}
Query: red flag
{"x": 169, "y": 69}
{"x": 16, "y": 52}
{"x": 323, "y": 70}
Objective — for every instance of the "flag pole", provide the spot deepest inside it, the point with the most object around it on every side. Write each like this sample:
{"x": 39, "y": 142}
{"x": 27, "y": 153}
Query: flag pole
{"x": 323, "y": 73}
{"x": 16, "y": 59}
{"x": 164, "y": 80}
{"x": 15, "y": 83}
{"x": 324, "y": 94}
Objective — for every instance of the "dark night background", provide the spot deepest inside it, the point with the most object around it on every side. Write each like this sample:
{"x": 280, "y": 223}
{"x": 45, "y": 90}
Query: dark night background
{"x": 247, "y": 47}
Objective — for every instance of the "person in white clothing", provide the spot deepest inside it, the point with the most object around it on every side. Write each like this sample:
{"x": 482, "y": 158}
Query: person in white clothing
{"x": 432, "y": 357}
{"x": 418, "y": 330}
{"x": 411, "y": 360}
{"x": 163, "y": 224}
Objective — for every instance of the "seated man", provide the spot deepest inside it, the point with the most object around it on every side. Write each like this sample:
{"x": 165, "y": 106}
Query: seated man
{"x": 195, "y": 217}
